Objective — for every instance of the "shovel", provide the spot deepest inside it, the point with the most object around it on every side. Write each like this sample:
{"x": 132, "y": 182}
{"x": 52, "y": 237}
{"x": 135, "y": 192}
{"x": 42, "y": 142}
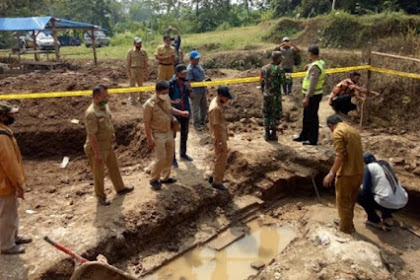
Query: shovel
{"x": 75, "y": 256}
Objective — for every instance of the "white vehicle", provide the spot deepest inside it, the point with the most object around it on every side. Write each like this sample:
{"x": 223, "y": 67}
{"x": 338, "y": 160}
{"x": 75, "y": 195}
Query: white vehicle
{"x": 44, "y": 41}
{"x": 100, "y": 39}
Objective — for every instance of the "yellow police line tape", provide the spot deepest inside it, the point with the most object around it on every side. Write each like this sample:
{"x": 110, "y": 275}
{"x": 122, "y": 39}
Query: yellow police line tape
{"x": 201, "y": 84}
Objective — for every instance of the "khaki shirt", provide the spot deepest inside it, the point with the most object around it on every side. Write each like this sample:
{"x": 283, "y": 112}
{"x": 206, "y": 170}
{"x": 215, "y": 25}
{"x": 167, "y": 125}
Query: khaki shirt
{"x": 217, "y": 117}
{"x": 158, "y": 114}
{"x": 98, "y": 121}
{"x": 137, "y": 58}
{"x": 12, "y": 173}
{"x": 166, "y": 51}
{"x": 348, "y": 144}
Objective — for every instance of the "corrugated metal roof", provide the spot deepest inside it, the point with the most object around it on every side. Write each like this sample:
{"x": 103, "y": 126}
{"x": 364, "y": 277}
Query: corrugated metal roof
{"x": 38, "y": 23}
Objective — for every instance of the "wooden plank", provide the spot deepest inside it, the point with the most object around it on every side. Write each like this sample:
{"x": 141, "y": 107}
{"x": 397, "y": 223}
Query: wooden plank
{"x": 226, "y": 238}
{"x": 46, "y": 63}
{"x": 396, "y": 56}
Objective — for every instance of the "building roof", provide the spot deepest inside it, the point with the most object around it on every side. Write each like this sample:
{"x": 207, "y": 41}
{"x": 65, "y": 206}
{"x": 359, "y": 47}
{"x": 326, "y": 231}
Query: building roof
{"x": 39, "y": 23}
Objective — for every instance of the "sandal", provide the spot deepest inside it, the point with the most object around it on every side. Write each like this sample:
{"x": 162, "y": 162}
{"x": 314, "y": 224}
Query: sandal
{"x": 379, "y": 226}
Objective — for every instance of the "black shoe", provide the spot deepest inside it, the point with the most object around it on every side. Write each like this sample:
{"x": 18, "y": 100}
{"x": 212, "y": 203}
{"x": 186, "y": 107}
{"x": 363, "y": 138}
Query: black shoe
{"x": 13, "y": 251}
{"x": 210, "y": 179}
{"x": 22, "y": 240}
{"x": 273, "y": 135}
{"x": 267, "y": 137}
{"x": 299, "y": 139}
{"x": 219, "y": 187}
{"x": 156, "y": 185}
{"x": 104, "y": 201}
{"x": 175, "y": 163}
{"x": 126, "y": 190}
{"x": 169, "y": 181}
{"x": 307, "y": 143}
{"x": 186, "y": 158}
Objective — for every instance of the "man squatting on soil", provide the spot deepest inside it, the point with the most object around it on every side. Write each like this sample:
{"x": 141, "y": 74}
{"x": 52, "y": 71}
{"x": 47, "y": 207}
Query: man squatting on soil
{"x": 12, "y": 180}
{"x": 98, "y": 146}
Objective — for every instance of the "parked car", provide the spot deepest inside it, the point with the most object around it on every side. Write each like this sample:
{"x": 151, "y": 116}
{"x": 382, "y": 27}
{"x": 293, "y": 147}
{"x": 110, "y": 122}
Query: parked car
{"x": 68, "y": 41}
{"x": 100, "y": 39}
{"x": 44, "y": 41}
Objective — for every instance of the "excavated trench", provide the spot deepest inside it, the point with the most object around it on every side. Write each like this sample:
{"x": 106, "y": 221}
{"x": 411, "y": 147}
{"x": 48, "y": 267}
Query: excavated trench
{"x": 276, "y": 174}
{"x": 165, "y": 232}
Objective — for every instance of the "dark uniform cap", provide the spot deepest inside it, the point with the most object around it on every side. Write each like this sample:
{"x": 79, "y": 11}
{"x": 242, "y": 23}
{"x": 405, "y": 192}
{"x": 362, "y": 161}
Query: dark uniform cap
{"x": 224, "y": 91}
{"x": 180, "y": 68}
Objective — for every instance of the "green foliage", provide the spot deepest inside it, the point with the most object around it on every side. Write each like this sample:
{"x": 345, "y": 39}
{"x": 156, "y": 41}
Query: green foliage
{"x": 311, "y": 8}
{"x": 360, "y": 30}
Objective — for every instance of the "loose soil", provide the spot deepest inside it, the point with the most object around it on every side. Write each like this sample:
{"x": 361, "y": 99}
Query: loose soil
{"x": 140, "y": 231}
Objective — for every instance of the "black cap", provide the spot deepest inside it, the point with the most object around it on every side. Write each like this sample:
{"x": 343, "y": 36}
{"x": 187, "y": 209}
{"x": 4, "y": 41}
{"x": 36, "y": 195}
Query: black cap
{"x": 224, "y": 91}
{"x": 180, "y": 68}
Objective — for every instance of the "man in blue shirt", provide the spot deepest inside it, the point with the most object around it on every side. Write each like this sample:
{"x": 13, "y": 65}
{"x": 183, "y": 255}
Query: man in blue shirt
{"x": 179, "y": 94}
{"x": 195, "y": 73}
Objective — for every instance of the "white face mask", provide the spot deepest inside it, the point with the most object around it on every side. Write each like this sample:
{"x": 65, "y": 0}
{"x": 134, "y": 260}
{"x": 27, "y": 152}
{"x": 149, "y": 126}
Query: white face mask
{"x": 164, "y": 97}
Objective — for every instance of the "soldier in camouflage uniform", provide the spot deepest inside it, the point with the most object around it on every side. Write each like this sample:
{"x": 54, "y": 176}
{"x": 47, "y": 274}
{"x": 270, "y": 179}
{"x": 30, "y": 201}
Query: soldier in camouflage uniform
{"x": 272, "y": 80}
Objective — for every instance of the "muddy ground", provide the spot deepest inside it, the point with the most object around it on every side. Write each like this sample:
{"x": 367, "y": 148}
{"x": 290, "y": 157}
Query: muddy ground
{"x": 145, "y": 228}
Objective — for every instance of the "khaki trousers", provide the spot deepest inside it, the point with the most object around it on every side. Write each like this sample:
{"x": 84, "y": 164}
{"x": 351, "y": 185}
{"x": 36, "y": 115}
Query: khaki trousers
{"x": 346, "y": 189}
{"x": 98, "y": 170}
{"x": 165, "y": 147}
{"x": 220, "y": 163}
{"x": 9, "y": 221}
{"x": 165, "y": 72}
{"x": 136, "y": 77}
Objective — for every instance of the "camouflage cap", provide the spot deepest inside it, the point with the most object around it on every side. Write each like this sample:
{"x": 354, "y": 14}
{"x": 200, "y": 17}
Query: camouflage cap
{"x": 6, "y": 107}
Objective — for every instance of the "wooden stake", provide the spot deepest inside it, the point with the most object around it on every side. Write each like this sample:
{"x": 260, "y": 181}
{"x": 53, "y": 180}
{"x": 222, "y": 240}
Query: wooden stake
{"x": 34, "y": 34}
{"x": 56, "y": 48}
{"x": 92, "y": 34}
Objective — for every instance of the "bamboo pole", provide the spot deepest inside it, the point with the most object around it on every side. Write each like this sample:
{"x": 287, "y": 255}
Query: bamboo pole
{"x": 363, "y": 111}
{"x": 396, "y": 56}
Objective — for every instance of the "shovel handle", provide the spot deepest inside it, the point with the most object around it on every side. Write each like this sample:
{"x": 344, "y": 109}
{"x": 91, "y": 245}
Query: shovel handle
{"x": 75, "y": 256}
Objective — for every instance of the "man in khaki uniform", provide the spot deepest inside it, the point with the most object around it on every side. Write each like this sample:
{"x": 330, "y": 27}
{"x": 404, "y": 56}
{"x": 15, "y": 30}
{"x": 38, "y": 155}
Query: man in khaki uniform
{"x": 12, "y": 179}
{"x": 137, "y": 69}
{"x": 166, "y": 55}
{"x": 160, "y": 136}
{"x": 347, "y": 168}
{"x": 218, "y": 129}
{"x": 98, "y": 147}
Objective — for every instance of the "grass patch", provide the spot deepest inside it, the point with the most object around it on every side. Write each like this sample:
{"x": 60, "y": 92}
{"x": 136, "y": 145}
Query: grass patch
{"x": 238, "y": 38}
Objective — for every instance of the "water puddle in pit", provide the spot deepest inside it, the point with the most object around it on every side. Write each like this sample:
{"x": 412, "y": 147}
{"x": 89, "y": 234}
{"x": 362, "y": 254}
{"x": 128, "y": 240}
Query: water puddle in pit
{"x": 231, "y": 263}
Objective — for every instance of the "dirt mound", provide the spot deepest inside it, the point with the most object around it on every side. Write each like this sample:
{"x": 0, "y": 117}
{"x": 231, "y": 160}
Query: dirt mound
{"x": 325, "y": 253}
